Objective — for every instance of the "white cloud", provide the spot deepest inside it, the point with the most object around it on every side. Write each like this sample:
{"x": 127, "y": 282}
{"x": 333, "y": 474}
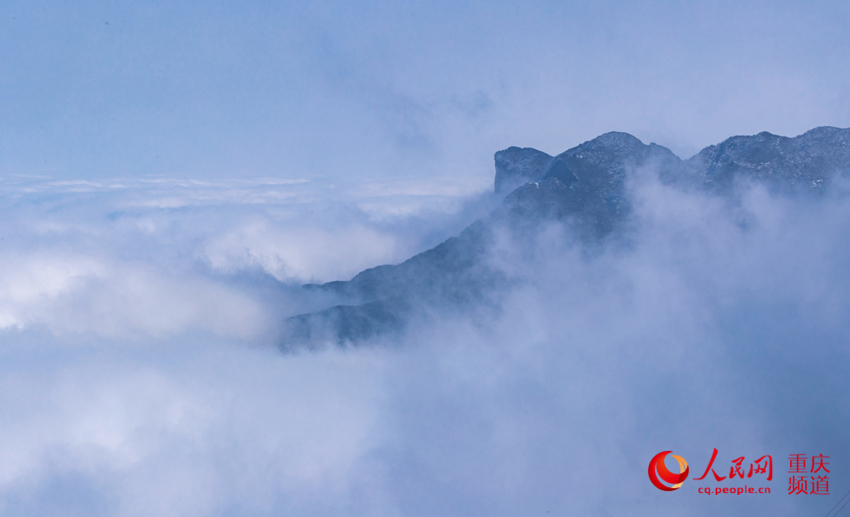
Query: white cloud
{"x": 128, "y": 388}
{"x": 305, "y": 253}
{"x": 160, "y": 257}
{"x": 191, "y": 432}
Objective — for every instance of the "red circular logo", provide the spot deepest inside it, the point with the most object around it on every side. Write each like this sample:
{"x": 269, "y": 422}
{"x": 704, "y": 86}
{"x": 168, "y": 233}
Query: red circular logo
{"x": 657, "y": 469}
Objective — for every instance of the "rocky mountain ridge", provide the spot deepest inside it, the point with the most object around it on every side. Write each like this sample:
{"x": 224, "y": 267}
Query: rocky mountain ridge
{"x": 584, "y": 187}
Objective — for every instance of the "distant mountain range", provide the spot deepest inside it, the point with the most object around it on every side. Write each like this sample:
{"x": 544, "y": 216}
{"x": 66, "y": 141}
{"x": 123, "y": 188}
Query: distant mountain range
{"x": 584, "y": 187}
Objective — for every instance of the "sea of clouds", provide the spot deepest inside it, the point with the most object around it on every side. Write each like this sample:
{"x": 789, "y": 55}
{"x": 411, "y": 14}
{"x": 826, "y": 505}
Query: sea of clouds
{"x": 140, "y": 372}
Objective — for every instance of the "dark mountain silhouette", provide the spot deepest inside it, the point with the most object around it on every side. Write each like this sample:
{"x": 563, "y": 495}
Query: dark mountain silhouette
{"x": 586, "y": 183}
{"x": 517, "y": 166}
{"x": 810, "y": 160}
{"x": 584, "y": 187}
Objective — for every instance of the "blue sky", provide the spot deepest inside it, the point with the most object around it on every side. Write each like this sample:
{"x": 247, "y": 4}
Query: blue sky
{"x": 384, "y": 90}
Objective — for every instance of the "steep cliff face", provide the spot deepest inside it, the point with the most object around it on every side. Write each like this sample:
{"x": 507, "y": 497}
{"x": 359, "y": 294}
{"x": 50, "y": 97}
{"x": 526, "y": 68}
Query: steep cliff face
{"x": 585, "y": 187}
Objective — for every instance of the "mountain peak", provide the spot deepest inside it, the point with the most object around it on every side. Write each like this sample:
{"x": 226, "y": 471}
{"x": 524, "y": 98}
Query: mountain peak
{"x": 518, "y": 165}
{"x": 613, "y": 140}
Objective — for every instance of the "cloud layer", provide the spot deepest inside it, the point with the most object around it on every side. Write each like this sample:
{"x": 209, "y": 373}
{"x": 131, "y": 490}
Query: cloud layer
{"x": 140, "y": 375}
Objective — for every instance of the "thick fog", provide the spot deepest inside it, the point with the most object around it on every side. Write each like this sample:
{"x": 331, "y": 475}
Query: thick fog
{"x": 141, "y": 374}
